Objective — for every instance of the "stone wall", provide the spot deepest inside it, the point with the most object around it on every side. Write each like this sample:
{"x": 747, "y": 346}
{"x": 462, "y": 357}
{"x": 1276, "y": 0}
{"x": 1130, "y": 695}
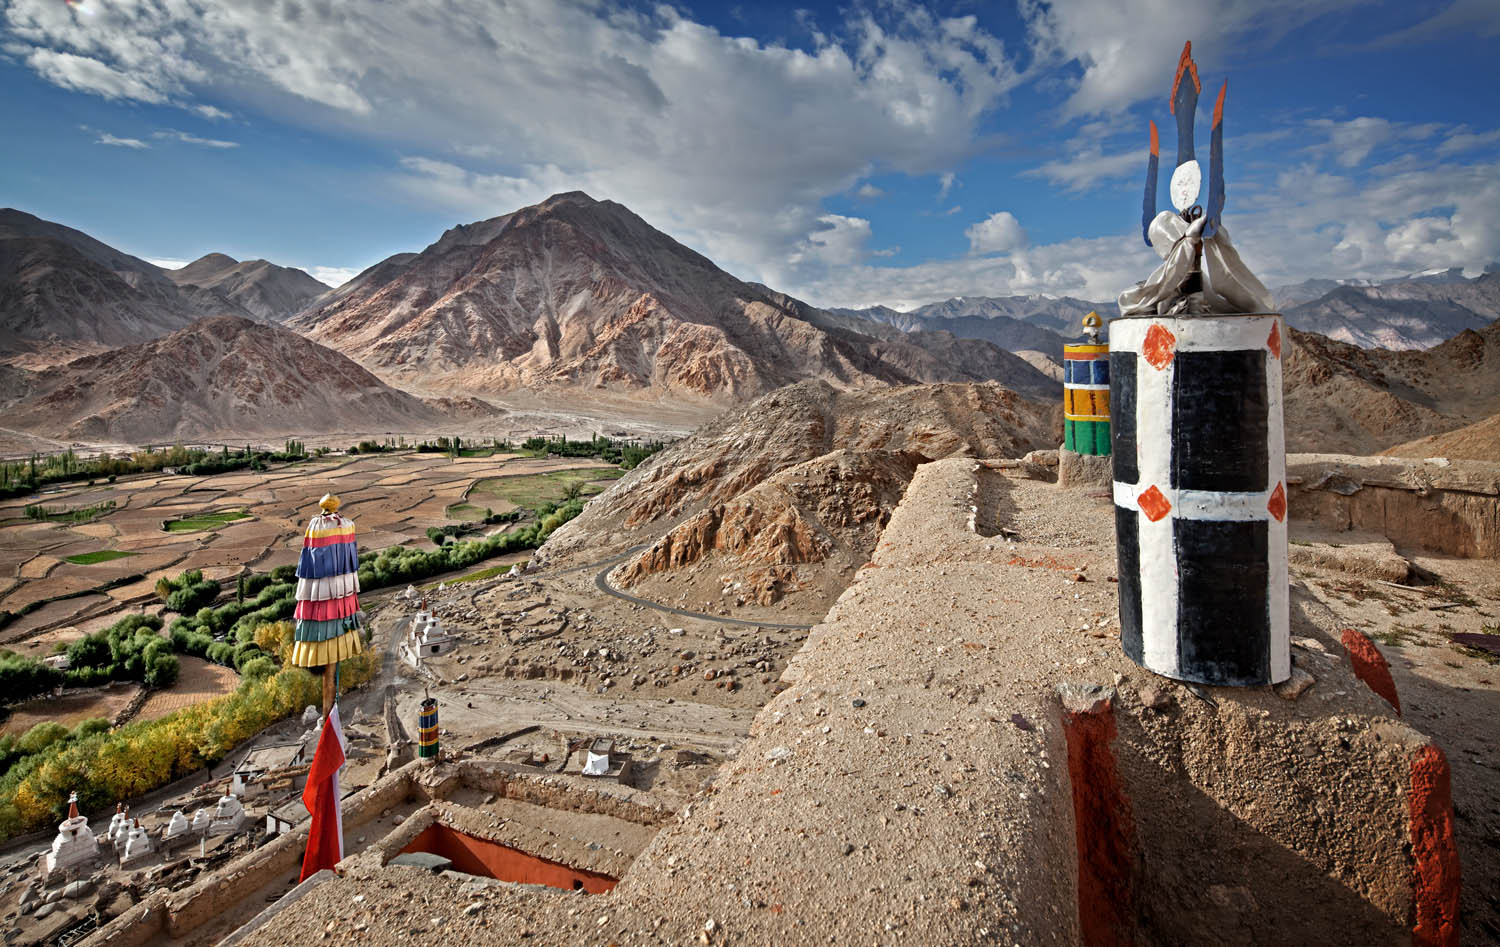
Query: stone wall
{"x": 1450, "y": 507}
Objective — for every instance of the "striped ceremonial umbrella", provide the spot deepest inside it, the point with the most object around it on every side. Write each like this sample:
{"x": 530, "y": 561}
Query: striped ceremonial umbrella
{"x": 328, "y": 615}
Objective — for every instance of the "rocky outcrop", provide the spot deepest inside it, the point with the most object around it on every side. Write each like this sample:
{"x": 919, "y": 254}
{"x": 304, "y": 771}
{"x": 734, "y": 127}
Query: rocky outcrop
{"x": 787, "y": 496}
{"x": 832, "y": 507}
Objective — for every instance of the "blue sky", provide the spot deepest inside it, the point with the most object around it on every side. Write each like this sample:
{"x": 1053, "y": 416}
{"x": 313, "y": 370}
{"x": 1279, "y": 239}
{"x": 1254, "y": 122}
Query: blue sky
{"x": 885, "y": 152}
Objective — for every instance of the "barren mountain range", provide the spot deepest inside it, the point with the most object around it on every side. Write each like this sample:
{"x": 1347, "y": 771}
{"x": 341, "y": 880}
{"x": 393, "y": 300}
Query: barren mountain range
{"x": 262, "y": 289}
{"x": 220, "y": 374}
{"x": 579, "y": 298}
{"x": 63, "y": 293}
{"x": 575, "y": 292}
{"x": 1408, "y": 312}
{"x": 1342, "y": 398}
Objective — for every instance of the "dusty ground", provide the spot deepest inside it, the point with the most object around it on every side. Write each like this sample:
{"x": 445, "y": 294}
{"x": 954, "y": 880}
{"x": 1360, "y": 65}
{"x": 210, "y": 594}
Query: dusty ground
{"x": 864, "y": 821}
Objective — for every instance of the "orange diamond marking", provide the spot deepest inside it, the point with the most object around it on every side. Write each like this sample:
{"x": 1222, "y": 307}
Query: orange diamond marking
{"x": 1274, "y": 342}
{"x": 1160, "y": 346}
{"x": 1154, "y": 504}
{"x": 1277, "y": 503}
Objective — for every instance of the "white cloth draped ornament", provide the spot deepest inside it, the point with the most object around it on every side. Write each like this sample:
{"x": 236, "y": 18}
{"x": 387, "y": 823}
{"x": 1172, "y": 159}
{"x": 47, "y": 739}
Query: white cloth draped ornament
{"x": 1228, "y": 285}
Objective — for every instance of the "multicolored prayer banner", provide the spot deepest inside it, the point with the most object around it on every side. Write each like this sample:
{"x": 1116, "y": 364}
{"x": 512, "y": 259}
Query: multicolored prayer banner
{"x": 328, "y": 615}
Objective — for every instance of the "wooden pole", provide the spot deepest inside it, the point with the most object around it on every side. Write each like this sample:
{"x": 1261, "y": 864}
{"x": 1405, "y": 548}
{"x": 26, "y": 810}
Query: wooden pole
{"x": 328, "y": 694}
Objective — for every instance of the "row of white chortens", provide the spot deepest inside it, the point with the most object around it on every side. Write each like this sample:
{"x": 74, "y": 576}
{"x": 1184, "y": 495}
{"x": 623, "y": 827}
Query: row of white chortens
{"x": 76, "y": 845}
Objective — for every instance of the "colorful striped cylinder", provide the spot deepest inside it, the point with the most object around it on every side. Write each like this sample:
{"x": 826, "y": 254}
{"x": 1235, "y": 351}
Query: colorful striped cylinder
{"x": 427, "y": 729}
{"x": 1200, "y": 496}
{"x": 1086, "y": 398}
{"x": 327, "y": 614}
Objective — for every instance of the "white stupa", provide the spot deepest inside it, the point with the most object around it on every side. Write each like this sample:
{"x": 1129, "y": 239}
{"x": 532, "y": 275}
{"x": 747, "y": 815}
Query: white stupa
{"x": 425, "y": 638}
{"x": 202, "y": 819}
{"x": 229, "y": 816}
{"x": 74, "y": 845}
{"x": 177, "y": 828}
{"x": 119, "y": 827}
{"x": 137, "y": 844}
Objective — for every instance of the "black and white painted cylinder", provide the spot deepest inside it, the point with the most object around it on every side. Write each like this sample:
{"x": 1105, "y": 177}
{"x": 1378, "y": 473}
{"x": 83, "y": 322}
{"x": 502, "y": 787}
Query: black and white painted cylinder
{"x": 1200, "y": 496}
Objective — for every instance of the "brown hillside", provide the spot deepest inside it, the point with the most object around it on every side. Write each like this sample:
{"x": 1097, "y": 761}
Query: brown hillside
{"x": 578, "y": 293}
{"x": 224, "y": 375}
{"x": 786, "y": 496}
{"x": 1345, "y": 399}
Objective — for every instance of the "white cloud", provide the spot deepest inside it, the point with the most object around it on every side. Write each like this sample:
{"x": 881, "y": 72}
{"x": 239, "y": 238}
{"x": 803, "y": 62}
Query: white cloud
{"x": 105, "y": 138}
{"x": 945, "y": 184}
{"x": 868, "y": 192}
{"x": 190, "y": 139}
{"x": 332, "y": 276}
{"x": 1461, "y": 139}
{"x": 210, "y": 112}
{"x": 688, "y": 126}
{"x": 838, "y": 241}
{"x": 1353, "y": 140}
{"x": 1000, "y": 232}
{"x": 167, "y": 263}
{"x": 1128, "y": 49}
{"x": 1085, "y": 170}
{"x": 90, "y": 75}
{"x": 1094, "y": 268}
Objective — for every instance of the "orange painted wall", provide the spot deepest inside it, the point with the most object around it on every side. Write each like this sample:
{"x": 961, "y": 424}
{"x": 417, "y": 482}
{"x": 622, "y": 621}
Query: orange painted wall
{"x": 492, "y": 860}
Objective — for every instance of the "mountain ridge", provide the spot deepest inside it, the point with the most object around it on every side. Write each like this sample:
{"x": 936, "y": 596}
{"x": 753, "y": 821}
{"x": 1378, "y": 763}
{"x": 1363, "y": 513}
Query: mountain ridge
{"x": 574, "y": 292}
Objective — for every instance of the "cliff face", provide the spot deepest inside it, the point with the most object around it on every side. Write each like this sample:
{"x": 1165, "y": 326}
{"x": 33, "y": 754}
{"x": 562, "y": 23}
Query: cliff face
{"x": 579, "y": 293}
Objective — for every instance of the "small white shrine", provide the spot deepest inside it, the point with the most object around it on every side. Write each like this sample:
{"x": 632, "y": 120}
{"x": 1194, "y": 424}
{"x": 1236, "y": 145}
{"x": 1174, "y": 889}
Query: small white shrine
{"x": 229, "y": 816}
{"x": 137, "y": 844}
{"x": 119, "y": 827}
{"x": 178, "y": 830}
{"x": 74, "y": 845}
{"x": 201, "y": 821}
{"x": 425, "y": 638}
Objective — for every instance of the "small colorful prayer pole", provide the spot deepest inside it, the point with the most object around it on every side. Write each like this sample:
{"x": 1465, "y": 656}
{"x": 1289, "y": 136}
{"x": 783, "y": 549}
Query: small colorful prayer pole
{"x": 427, "y": 729}
{"x": 1086, "y": 392}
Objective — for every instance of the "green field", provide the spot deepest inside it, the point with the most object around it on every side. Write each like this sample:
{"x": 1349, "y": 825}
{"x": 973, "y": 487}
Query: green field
{"x": 189, "y": 524}
{"x": 102, "y": 555}
{"x": 530, "y": 491}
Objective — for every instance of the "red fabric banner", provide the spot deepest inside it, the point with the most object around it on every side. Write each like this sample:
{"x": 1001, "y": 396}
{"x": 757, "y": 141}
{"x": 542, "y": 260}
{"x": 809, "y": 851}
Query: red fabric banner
{"x": 325, "y": 839}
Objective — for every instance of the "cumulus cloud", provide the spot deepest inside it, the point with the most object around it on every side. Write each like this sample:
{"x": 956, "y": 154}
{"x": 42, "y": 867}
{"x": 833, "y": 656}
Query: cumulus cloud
{"x": 838, "y": 240}
{"x": 167, "y": 263}
{"x": 685, "y": 124}
{"x": 868, "y": 192}
{"x": 105, "y": 138}
{"x": 1122, "y": 46}
{"x": 1000, "y": 232}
